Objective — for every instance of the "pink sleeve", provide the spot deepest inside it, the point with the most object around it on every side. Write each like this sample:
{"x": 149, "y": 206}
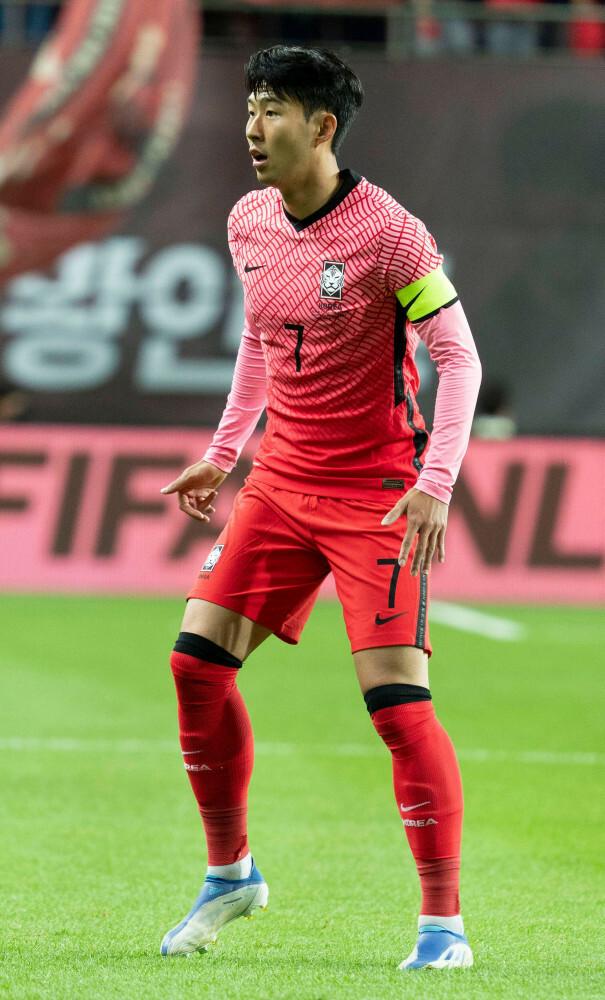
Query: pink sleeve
{"x": 245, "y": 403}
{"x": 450, "y": 342}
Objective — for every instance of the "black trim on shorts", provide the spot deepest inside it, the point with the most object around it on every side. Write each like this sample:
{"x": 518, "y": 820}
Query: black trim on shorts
{"x": 421, "y": 625}
{"x": 388, "y": 695}
{"x": 204, "y": 649}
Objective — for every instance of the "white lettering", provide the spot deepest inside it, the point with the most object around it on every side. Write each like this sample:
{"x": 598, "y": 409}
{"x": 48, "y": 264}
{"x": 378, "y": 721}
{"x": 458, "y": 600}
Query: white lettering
{"x": 66, "y": 329}
{"x": 183, "y": 291}
{"x": 160, "y": 369}
{"x": 65, "y": 326}
{"x": 60, "y": 363}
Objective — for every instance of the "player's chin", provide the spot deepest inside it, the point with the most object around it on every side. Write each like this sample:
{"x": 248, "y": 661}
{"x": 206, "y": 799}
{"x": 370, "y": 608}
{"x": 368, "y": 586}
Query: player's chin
{"x": 263, "y": 173}
{"x": 269, "y": 172}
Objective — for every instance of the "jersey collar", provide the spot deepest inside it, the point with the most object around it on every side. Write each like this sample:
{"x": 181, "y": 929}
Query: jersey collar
{"x": 349, "y": 180}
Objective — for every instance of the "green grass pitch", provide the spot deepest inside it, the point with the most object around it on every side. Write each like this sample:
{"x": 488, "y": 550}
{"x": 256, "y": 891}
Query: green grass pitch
{"x": 102, "y": 848}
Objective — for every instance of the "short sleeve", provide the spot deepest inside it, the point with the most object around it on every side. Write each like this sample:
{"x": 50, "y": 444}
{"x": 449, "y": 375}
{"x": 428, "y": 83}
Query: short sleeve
{"x": 407, "y": 251}
{"x": 412, "y": 267}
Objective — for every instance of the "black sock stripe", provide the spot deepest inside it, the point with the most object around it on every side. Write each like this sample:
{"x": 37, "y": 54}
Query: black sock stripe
{"x": 204, "y": 649}
{"x": 388, "y": 695}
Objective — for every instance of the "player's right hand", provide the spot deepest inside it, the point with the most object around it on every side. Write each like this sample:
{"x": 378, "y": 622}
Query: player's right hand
{"x": 196, "y": 488}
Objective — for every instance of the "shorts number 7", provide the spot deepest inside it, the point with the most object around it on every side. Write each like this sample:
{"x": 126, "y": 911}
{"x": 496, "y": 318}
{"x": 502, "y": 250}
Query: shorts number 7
{"x": 299, "y": 330}
{"x": 395, "y": 576}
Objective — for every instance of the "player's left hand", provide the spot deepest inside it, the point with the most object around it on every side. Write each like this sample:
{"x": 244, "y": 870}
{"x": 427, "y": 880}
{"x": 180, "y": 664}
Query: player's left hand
{"x": 427, "y": 518}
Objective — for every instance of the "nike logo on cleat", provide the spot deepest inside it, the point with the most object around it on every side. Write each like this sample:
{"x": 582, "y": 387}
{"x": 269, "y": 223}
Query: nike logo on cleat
{"x": 255, "y": 267}
{"x": 382, "y": 621}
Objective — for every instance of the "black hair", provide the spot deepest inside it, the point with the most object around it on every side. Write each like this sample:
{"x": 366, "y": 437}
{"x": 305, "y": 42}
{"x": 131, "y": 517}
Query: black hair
{"x": 317, "y": 79}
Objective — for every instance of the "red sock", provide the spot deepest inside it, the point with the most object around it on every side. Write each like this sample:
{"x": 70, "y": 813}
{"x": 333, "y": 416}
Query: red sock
{"x": 218, "y": 751}
{"x": 428, "y": 790}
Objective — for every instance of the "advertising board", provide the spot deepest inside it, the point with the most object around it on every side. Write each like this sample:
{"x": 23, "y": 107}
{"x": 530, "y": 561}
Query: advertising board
{"x": 81, "y": 512}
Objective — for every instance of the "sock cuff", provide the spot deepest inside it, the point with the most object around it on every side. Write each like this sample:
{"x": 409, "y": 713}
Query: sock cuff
{"x": 192, "y": 644}
{"x": 454, "y": 923}
{"x": 388, "y": 695}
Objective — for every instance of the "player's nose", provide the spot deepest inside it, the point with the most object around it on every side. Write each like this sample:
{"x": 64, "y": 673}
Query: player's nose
{"x": 253, "y": 128}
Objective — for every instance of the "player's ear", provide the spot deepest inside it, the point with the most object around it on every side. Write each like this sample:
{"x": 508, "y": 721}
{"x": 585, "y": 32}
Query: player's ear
{"x": 326, "y": 127}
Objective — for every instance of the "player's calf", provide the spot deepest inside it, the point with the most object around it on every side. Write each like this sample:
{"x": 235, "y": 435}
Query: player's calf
{"x": 216, "y": 742}
{"x": 428, "y": 790}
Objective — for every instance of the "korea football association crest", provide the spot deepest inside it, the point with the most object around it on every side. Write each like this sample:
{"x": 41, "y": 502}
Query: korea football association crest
{"x": 212, "y": 559}
{"x": 332, "y": 280}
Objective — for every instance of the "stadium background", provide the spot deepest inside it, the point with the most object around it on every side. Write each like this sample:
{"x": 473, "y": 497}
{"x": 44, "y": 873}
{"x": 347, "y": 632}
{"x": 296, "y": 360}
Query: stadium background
{"x": 115, "y": 359}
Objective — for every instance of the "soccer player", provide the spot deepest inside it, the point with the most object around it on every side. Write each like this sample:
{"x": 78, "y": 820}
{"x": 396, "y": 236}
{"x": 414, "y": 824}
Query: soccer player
{"x": 339, "y": 282}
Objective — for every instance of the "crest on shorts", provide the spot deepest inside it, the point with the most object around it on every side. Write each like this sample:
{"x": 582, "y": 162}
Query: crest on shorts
{"x": 212, "y": 559}
{"x": 332, "y": 279}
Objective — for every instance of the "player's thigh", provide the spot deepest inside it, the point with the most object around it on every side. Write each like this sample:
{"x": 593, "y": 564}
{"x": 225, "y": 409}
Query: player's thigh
{"x": 384, "y": 606}
{"x": 230, "y": 630}
{"x": 382, "y": 665}
{"x": 261, "y": 577}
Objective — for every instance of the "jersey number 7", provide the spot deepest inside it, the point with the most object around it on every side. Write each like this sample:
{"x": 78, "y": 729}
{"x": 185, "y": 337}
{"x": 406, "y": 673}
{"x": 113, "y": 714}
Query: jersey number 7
{"x": 299, "y": 339}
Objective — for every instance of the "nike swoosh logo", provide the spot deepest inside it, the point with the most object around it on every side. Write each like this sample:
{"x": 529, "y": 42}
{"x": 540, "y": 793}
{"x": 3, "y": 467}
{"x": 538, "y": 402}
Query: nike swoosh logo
{"x": 382, "y": 621}
{"x": 255, "y": 267}
{"x": 406, "y": 809}
{"x": 407, "y": 308}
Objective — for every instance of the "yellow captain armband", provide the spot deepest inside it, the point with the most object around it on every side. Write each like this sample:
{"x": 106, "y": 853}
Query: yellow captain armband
{"x": 425, "y": 297}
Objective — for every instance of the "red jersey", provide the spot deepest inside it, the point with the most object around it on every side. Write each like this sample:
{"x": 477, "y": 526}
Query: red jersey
{"x": 338, "y": 347}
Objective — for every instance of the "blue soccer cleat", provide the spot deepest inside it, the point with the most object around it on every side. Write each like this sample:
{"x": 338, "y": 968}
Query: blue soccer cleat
{"x": 220, "y": 901}
{"x": 437, "y": 948}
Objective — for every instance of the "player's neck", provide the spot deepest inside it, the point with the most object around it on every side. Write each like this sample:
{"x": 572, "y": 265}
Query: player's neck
{"x": 304, "y": 196}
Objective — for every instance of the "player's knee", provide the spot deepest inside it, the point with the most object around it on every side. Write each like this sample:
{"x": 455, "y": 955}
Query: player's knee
{"x": 409, "y": 715}
{"x": 195, "y": 656}
{"x": 390, "y": 695}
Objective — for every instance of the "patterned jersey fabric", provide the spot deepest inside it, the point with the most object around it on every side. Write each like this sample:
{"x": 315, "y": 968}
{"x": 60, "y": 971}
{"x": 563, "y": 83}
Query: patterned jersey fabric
{"x": 339, "y": 349}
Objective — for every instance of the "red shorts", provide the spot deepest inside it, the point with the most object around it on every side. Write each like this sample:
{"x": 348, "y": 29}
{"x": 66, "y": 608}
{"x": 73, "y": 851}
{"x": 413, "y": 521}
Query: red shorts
{"x": 278, "y": 547}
